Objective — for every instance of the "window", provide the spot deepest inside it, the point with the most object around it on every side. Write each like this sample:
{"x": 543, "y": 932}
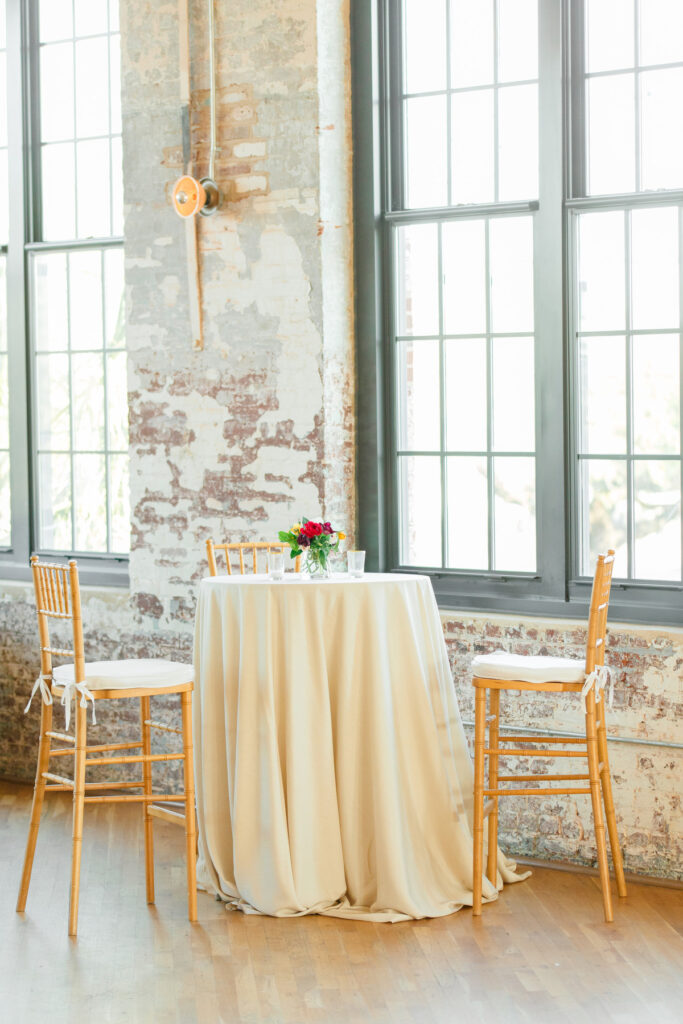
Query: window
{"x": 519, "y": 292}
{"x": 65, "y": 260}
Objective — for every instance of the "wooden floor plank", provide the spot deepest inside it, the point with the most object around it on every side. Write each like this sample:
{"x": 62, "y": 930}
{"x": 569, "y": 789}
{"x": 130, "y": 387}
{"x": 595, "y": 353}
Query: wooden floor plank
{"x": 540, "y": 953}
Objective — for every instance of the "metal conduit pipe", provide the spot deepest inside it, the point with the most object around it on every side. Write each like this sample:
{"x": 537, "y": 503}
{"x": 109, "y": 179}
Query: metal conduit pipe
{"x": 579, "y": 736}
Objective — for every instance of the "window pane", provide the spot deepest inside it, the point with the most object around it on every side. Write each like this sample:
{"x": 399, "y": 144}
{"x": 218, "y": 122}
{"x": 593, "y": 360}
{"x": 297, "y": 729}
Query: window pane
{"x": 87, "y": 401}
{"x": 116, "y": 187}
{"x": 115, "y": 67}
{"x": 511, "y": 247}
{"x": 420, "y": 489}
{"x": 611, "y": 135}
{"x": 472, "y": 146}
{"x": 661, "y": 31}
{"x": 5, "y": 505}
{"x": 601, "y": 287}
{"x": 654, "y": 268}
{"x": 657, "y": 520}
{"x": 466, "y": 394}
{"x": 656, "y": 394}
{"x": 514, "y": 520}
{"x": 464, "y": 276}
{"x": 50, "y": 302}
{"x": 91, "y": 16}
{"x": 604, "y": 491}
{"x": 3, "y": 94}
{"x": 90, "y": 501}
{"x": 467, "y": 513}
{"x": 56, "y": 20}
{"x": 517, "y": 40}
{"x": 418, "y": 280}
{"x": 52, "y": 396}
{"x": 94, "y": 204}
{"x": 114, "y": 298}
{"x": 418, "y": 395}
{"x": 4, "y": 401}
{"x": 57, "y": 92}
{"x": 609, "y": 34}
{"x": 59, "y": 192}
{"x": 425, "y": 45}
{"x": 117, "y": 401}
{"x": 518, "y": 142}
{"x": 602, "y": 388}
{"x": 471, "y": 43}
{"x": 513, "y": 394}
{"x": 119, "y": 504}
{"x": 92, "y": 86}
{"x": 85, "y": 292}
{"x": 4, "y": 193}
{"x": 662, "y": 141}
{"x": 54, "y": 490}
{"x": 426, "y": 151}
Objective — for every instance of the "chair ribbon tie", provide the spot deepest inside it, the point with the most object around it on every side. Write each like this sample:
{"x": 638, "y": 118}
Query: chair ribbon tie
{"x": 86, "y": 696}
{"x": 41, "y": 684}
{"x": 598, "y": 679}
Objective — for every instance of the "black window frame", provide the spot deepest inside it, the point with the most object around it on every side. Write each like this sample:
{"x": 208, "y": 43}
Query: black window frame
{"x": 557, "y": 589}
{"x": 23, "y": 117}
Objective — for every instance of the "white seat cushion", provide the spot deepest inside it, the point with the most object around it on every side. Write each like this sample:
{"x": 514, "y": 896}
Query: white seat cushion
{"x": 528, "y": 668}
{"x": 128, "y": 674}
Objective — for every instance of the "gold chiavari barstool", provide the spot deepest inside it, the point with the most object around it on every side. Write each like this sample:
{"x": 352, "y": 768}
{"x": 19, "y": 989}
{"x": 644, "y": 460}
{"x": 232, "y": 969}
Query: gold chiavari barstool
{"x": 503, "y": 671}
{"x": 243, "y": 548}
{"x": 58, "y": 598}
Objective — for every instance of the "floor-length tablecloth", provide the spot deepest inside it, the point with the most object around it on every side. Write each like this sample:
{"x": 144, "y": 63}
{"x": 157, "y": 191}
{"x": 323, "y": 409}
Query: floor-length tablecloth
{"x": 332, "y": 770}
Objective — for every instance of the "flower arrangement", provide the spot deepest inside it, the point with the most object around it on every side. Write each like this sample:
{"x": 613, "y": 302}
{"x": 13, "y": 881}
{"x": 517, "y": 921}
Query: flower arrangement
{"x": 317, "y": 540}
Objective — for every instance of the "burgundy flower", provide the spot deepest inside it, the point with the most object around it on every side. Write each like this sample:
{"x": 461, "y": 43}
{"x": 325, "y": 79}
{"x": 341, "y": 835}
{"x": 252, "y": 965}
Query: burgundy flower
{"x": 303, "y": 541}
{"x": 327, "y": 528}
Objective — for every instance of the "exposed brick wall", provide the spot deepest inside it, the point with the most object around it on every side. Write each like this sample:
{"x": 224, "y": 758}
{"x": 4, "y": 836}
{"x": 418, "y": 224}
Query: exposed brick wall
{"x": 258, "y": 427}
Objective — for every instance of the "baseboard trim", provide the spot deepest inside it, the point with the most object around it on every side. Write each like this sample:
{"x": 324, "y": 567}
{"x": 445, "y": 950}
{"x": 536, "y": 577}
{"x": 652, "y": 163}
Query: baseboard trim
{"x": 583, "y": 869}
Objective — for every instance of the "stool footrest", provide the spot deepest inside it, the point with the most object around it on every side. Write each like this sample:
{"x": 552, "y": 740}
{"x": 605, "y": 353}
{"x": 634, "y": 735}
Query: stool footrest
{"x": 535, "y": 753}
{"x": 133, "y": 759}
{"x": 164, "y": 728}
{"x": 541, "y": 778}
{"x": 542, "y": 739}
{"x": 130, "y": 799}
{"x": 166, "y": 814}
{"x": 535, "y": 792}
{"x": 68, "y": 783}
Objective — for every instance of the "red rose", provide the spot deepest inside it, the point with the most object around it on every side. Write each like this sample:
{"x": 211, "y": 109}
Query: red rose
{"x": 312, "y": 529}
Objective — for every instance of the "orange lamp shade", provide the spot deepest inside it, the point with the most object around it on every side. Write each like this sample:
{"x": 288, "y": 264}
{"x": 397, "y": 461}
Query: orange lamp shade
{"x": 189, "y": 196}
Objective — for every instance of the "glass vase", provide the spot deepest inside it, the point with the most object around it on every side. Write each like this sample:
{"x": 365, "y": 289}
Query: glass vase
{"x": 314, "y": 568}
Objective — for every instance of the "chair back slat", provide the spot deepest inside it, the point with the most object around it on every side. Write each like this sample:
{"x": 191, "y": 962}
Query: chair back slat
{"x": 597, "y": 619}
{"x": 242, "y": 548}
{"x": 58, "y": 596}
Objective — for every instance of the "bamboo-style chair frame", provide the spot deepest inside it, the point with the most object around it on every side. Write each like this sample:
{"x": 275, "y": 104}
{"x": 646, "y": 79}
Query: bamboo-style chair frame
{"x": 58, "y": 597}
{"x": 599, "y": 785}
{"x": 243, "y": 548}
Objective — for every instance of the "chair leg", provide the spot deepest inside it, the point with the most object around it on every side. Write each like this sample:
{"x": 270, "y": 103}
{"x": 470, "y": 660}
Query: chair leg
{"x": 478, "y": 826}
{"x": 494, "y": 729}
{"x": 606, "y": 783}
{"x": 190, "y": 825}
{"x": 37, "y": 805}
{"x": 148, "y": 820}
{"x": 78, "y": 805}
{"x": 596, "y": 799}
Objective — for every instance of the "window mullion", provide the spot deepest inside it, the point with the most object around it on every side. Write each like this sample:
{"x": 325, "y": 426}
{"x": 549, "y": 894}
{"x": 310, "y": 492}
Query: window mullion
{"x": 16, "y": 290}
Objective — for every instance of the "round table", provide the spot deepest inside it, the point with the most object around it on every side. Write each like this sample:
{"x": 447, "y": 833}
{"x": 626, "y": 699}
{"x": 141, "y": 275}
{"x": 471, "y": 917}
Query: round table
{"x": 332, "y": 770}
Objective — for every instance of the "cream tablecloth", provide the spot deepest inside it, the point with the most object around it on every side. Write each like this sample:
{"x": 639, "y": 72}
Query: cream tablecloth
{"x": 332, "y": 770}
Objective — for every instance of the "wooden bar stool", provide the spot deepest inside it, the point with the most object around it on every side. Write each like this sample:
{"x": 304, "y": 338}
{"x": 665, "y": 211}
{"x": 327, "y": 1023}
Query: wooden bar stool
{"x": 58, "y": 597}
{"x": 244, "y": 548}
{"x": 503, "y": 671}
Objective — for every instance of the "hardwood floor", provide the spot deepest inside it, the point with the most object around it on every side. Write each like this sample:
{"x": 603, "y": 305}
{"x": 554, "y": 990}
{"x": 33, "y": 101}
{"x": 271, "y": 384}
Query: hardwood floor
{"x": 542, "y": 953}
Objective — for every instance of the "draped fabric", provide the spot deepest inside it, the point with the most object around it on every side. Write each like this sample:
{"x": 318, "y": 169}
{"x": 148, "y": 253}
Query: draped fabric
{"x": 332, "y": 770}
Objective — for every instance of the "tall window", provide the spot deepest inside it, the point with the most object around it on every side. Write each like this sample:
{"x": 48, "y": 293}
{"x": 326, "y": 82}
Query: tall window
{"x": 68, "y": 254}
{"x": 523, "y": 285}
{"x": 5, "y": 493}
